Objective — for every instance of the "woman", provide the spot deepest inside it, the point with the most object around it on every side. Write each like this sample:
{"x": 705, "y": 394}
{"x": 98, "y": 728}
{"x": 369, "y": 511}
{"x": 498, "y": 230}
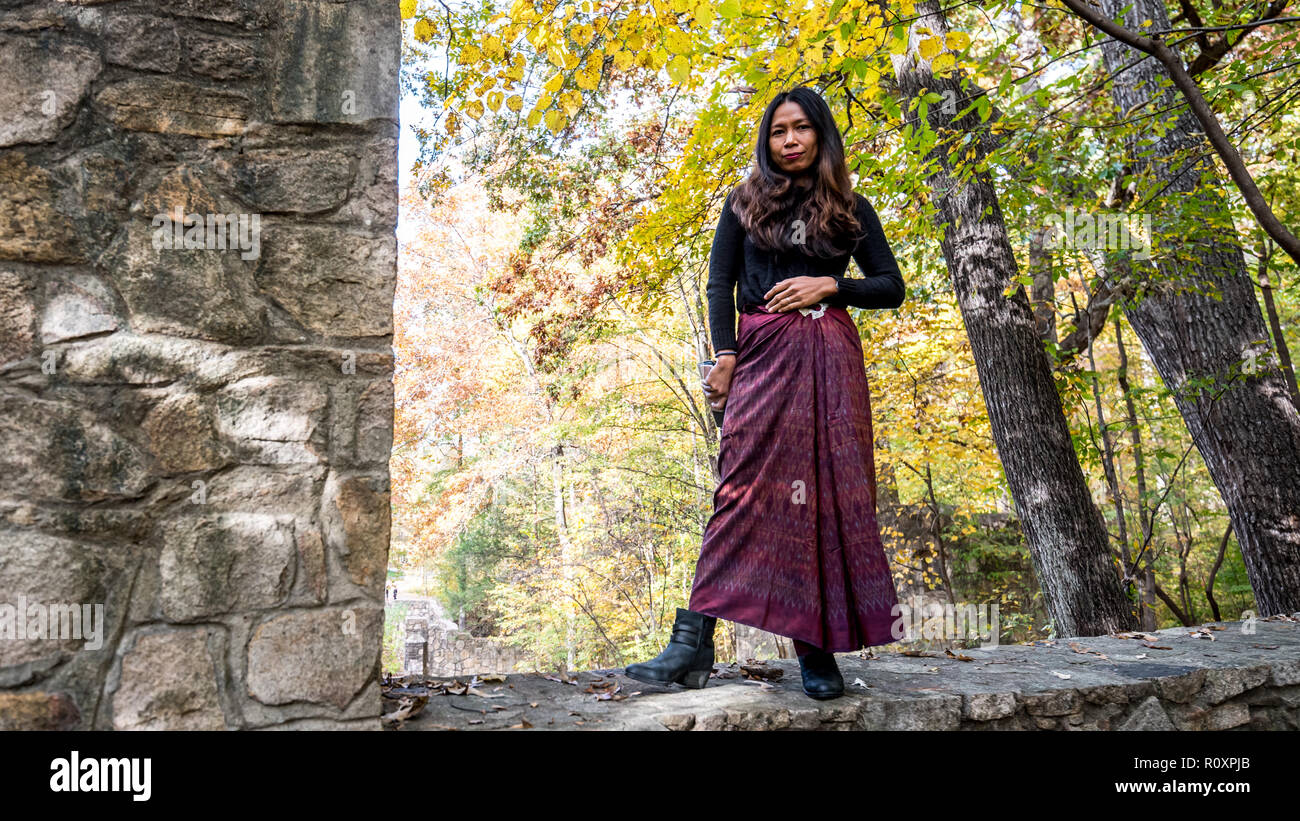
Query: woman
{"x": 793, "y": 546}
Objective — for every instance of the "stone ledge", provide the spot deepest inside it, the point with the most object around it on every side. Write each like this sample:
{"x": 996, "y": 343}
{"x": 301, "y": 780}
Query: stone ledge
{"x": 1235, "y": 681}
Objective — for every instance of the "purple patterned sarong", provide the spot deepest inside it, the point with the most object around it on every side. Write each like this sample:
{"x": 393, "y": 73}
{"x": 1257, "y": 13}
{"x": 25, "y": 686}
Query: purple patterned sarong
{"x": 793, "y": 546}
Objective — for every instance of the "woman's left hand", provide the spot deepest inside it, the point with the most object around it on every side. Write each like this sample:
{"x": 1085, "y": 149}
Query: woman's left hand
{"x": 799, "y": 292}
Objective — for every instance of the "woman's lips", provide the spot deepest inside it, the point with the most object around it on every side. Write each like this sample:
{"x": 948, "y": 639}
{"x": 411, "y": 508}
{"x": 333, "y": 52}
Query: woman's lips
{"x": 794, "y": 156}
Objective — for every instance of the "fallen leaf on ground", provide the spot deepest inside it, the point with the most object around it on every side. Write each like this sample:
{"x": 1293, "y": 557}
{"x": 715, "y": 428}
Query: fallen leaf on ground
{"x": 1079, "y": 648}
{"x": 761, "y": 671}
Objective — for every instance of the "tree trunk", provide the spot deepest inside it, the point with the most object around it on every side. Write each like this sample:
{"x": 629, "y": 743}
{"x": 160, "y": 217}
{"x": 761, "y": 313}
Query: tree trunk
{"x": 1066, "y": 533}
{"x": 1245, "y": 424}
{"x": 566, "y": 558}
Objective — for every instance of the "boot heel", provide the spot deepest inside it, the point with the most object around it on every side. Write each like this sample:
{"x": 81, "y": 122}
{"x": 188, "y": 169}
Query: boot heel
{"x": 695, "y": 679}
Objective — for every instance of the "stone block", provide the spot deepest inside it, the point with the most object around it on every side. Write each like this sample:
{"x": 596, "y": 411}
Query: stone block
{"x": 76, "y": 306}
{"x": 1148, "y": 715}
{"x": 269, "y": 420}
{"x": 292, "y": 180}
{"x": 352, "y": 80}
{"x": 168, "y": 681}
{"x": 222, "y": 58}
{"x": 356, "y": 517}
{"x": 142, "y": 41}
{"x": 182, "y": 434}
{"x": 205, "y": 292}
{"x": 1051, "y": 703}
{"x": 38, "y": 711}
{"x": 988, "y": 706}
{"x": 250, "y": 14}
{"x": 1222, "y": 684}
{"x": 17, "y": 317}
{"x": 44, "y": 83}
{"x": 324, "y": 656}
{"x": 59, "y": 452}
{"x": 361, "y": 423}
{"x": 38, "y": 571}
{"x": 168, "y": 106}
{"x": 1181, "y": 689}
{"x": 33, "y": 226}
{"x": 224, "y": 563}
{"x": 311, "y": 558}
{"x": 1227, "y": 716}
{"x": 332, "y": 283}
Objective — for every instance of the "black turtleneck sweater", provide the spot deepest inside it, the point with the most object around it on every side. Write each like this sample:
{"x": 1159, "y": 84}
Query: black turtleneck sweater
{"x": 735, "y": 260}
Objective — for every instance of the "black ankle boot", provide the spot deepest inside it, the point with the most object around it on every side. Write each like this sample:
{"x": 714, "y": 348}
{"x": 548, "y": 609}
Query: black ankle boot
{"x": 688, "y": 658}
{"x": 821, "y": 675}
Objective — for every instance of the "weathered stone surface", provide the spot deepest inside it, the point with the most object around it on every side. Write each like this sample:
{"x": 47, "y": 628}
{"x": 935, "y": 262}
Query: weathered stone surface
{"x": 38, "y": 711}
{"x": 247, "y": 13}
{"x": 311, "y": 556}
{"x": 189, "y": 291}
{"x": 32, "y": 226}
{"x": 169, "y": 682}
{"x": 293, "y": 490}
{"x": 356, "y": 515}
{"x": 148, "y": 359}
{"x": 293, "y": 180}
{"x": 323, "y": 656}
{"x": 182, "y": 434}
{"x": 221, "y": 57}
{"x": 39, "y": 569}
{"x": 167, "y": 414}
{"x": 333, "y": 284}
{"x": 374, "y": 424}
{"x": 374, "y": 201}
{"x": 361, "y": 426}
{"x": 351, "y": 79}
{"x": 1227, "y": 716}
{"x": 1149, "y": 715}
{"x": 1054, "y": 703}
{"x": 1117, "y": 690}
{"x": 1221, "y": 685}
{"x": 169, "y": 106}
{"x": 989, "y": 706}
{"x": 54, "y": 451}
{"x": 201, "y": 293}
{"x": 142, "y": 41}
{"x": 270, "y": 420}
{"x": 17, "y": 317}
{"x": 44, "y": 83}
{"x": 75, "y": 307}
{"x": 223, "y": 563}
{"x": 1181, "y": 689}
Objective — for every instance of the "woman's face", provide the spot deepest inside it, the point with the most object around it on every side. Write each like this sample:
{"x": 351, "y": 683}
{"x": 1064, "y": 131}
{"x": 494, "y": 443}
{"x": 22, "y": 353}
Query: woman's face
{"x": 792, "y": 140}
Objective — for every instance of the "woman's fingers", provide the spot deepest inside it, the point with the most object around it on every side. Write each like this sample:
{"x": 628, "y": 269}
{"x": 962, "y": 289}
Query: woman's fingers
{"x": 777, "y": 293}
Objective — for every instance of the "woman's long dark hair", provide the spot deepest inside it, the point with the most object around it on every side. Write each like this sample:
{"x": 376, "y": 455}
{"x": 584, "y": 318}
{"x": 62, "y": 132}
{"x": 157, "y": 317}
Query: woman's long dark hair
{"x": 768, "y": 202}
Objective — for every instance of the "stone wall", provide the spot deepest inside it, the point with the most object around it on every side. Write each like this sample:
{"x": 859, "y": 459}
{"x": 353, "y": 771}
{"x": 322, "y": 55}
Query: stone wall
{"x": 1246, "y": 678}
{"x": 195, "y": 412}
{"x": 435, "y": 647}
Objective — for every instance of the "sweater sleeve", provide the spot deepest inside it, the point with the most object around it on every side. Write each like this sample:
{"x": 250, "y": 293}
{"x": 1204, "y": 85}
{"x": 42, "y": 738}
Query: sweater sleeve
{"x": 725, "y": 262}
{"x": 883, "y": 285}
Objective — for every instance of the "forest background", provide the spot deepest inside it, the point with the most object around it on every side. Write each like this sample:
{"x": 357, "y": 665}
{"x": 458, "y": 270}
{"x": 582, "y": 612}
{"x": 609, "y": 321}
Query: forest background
{"x": 554, "y": 461}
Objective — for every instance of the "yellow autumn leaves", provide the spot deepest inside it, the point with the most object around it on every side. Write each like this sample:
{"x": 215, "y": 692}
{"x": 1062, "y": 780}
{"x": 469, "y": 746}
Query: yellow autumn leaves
{"x": 668, "y": 35}
{"x": 939, "y": 50}
{"x": 423, "y": 29}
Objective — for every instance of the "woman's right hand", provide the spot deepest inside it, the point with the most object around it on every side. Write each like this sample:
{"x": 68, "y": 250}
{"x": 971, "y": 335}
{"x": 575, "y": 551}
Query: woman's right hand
{"x": 718, "y": 385}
